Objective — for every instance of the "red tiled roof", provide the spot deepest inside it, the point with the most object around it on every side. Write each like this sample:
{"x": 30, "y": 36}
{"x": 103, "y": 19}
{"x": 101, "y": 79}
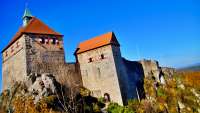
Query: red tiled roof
{"x": 99, "y": 41}
{"x": 35, "y": 26}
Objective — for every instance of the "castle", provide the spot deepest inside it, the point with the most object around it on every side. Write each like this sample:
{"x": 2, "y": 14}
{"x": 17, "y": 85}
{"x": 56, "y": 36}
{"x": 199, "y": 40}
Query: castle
{"x": 99, "y": 64}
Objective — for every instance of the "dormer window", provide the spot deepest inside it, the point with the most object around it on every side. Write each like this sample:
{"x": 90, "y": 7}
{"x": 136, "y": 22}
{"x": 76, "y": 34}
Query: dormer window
{"x": 102, "y": 56}
{"x": 90, "y": 60}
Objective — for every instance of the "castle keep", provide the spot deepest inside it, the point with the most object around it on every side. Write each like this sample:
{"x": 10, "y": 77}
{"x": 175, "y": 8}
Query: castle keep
{"x": 99, "y": 66}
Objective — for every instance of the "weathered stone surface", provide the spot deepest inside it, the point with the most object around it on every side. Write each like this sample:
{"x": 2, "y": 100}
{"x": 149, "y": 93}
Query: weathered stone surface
{"x": 32, "y": 56}
{"x": 101, "y": 75}
{"x": 44, "y": 85}
{"x": 14, "y": 67}
{"x": 168, "y": 71}
{"x": 152, "y": 68}
{"x": 101, "y": 70}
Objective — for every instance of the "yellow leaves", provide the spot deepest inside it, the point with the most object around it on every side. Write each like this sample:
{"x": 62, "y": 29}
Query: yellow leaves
{"x": 84, "y": 92}
{"x": 191, "y": 79}
{"x": 22, "y": 104}
{"x": 171, "y": 83}
{"x": 172, "y": 110}
{"x": 26, "y": 104}
{"x": 160, "y": 108}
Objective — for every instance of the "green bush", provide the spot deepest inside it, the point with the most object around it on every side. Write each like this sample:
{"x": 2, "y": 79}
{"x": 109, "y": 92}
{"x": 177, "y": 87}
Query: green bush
{"x": 160, "y": 92}
{"x": 133, "y": 104}
{"x": 115, "y": 108}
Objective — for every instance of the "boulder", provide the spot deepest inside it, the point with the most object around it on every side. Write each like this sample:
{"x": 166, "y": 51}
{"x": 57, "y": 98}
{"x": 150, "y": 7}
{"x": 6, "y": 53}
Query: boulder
{"x": 42, "y": 85}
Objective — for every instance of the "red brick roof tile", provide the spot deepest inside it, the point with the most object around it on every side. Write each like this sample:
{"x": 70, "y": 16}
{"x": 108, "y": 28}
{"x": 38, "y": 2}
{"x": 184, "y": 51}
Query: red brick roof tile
{"x": 99, "y": 41}
{"x": 35, "y": 26}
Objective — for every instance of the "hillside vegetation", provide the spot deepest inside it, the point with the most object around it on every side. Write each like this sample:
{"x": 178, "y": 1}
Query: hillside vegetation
{"x": 180, "y": 94}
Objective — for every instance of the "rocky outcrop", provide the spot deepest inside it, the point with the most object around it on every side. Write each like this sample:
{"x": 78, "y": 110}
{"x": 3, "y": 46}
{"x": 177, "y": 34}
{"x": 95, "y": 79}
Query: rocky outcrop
{"x": 168, "y": 71}
{"x": 135, "y": 79}
{"x": 152, "y": 69}
{"x": 40, "y": 85}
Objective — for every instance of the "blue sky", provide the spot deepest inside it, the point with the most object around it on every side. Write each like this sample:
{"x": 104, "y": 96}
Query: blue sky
{"x": 164, "y": 30}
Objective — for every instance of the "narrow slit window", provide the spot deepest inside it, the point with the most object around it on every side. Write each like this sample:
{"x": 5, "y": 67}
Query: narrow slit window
{"x": 99, "y": 72}
{"x": 42, "y": 41}
{"x": 102, "y": 56}
{"x": 86, "y": 72}
{"x": 53, "y": 41}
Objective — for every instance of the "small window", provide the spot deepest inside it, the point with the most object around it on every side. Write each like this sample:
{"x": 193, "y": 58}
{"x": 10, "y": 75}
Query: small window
{"x": 57, "y": 42}
{"x": 99, "y": 72}
{"x": 47, "y": 41}
{"x": 42, "y": 40}
{"x": 90, "y": 60}
{"x": 53, "y": 41}
{"x": 17, "y": 43}
{"x": 12, "y": 50}
{"x": 102, "y": 56}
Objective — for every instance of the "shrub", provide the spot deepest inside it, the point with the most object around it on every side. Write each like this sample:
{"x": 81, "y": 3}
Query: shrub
{"x": 115, "y": 108}
{"x": 160, "y": 92}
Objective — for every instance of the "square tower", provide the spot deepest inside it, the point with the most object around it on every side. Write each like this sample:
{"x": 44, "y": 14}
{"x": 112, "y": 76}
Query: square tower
{"x": 34, "y": 43}
{"x": 99, "y": 59}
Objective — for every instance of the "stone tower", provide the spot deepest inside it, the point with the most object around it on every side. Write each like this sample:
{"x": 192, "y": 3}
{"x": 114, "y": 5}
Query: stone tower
{"x": 34, "y": 43}
{"x": 100, "y": 60}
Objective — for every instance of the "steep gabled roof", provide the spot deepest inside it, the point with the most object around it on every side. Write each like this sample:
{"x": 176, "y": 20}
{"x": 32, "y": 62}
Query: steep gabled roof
{"x": 35, "y": 26}
{"x": 96, "y": 42}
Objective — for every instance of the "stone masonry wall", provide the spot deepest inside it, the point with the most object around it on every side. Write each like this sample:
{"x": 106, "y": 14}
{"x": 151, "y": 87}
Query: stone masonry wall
{"x": 121, "y": 73}
{"x": 14, "y": 63}
{"x": 99, "y": 73}
{"x": 67, "y": 74}
{"x": 49, "y": 58}
{"x": 38, "y": 52}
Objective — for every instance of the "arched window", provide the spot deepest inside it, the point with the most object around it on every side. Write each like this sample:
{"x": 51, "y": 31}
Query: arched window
{"x": 106, "y": 97}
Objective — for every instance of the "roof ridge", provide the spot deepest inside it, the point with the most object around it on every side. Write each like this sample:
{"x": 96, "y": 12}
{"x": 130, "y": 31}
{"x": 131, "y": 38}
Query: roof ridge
{"x": 34, "y": 26}
{"x": 95, "y": 37}
{"x": 98, "y": 41}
